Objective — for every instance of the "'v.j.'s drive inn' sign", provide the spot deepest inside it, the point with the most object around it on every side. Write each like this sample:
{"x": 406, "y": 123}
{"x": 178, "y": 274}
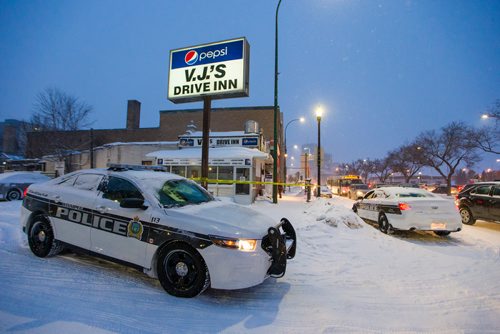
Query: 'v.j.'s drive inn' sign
{"x": 218, "y": 70}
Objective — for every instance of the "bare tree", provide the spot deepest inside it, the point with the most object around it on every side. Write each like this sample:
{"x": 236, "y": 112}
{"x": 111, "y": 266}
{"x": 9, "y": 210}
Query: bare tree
{"x": 382, "y": 168}
{"x": 487, "y": 138}
{"x": 406, "y": 160}
{"x": 56, "y": 110}
{"x": 447, "y": 149}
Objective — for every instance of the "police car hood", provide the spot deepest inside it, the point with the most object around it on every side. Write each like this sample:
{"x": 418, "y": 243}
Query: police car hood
{"x": 222, "y": 219}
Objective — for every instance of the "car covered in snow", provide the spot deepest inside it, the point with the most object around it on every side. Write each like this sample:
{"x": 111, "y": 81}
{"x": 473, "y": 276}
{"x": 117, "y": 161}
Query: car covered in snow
{"x": 401, "y": 208}
{"x": 357, "y": 190}
{"x": 324, "y": 191}
{"x": 13, "y": 184}
{"x": 161, "y": 223}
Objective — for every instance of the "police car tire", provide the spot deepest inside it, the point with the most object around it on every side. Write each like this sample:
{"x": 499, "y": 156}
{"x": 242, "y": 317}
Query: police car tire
{"x": 182, "y": 272}
{"x": 41, "y": 238}
{"x": 13, "y": 195}
{"x": 383, "y": 223}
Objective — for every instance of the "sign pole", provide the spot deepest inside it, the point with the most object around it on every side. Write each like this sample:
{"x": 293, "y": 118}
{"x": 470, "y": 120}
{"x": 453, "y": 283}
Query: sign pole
{"x": 207, "y": 106}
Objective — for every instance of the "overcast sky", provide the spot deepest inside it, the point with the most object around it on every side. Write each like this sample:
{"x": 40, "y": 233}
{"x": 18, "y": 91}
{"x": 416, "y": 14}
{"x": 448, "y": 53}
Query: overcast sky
{"x": 384, "y": 71}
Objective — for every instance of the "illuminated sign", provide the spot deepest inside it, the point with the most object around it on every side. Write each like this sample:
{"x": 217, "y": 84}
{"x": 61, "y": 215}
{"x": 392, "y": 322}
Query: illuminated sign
{"x": 219, "y": 70}
{"x": 246, "y": 141}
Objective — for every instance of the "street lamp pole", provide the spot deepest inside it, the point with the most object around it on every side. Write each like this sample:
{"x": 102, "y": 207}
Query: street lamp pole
{"x": 319, "y": 112}
{"x": 275, "y": 141}
{"x": 286, "y": 149}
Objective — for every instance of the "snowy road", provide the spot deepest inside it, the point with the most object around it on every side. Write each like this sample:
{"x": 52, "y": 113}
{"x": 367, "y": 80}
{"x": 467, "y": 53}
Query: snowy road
{"x": 342, "y": 280}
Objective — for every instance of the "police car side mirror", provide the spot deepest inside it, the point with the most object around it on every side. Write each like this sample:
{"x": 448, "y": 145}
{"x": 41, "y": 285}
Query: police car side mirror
{"x": 133, "y": 203}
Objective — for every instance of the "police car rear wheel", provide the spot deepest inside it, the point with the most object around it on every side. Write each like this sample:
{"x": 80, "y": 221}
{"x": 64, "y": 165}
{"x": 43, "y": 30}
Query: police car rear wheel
{"x": 41, "y": 238}
{"x": 384, "y": 224}
{"x": 182, "y": 271}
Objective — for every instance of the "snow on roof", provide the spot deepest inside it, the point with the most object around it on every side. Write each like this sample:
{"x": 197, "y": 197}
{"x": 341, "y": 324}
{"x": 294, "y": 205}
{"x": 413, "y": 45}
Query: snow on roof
{"x": 220, "y": 134}
{"x": 214, "y": 153}
{"x": 142, "y": 143}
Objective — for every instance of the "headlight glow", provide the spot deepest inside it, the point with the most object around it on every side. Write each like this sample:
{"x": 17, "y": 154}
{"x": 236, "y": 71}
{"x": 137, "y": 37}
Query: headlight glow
{"x": 244, "y": 245}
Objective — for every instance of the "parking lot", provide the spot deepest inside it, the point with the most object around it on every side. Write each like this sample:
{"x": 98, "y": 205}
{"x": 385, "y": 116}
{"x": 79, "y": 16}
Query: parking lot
{"x": 347, "y": 277}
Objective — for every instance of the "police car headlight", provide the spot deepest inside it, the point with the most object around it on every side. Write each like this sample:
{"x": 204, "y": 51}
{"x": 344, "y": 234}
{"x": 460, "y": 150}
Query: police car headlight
{"x": 245, "y": 245}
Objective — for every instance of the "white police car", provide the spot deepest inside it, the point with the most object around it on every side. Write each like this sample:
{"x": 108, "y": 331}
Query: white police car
{"x": 160, "y": 223}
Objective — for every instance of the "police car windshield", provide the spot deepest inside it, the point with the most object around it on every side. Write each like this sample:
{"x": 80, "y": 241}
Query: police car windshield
{"x": 182, "y": 192}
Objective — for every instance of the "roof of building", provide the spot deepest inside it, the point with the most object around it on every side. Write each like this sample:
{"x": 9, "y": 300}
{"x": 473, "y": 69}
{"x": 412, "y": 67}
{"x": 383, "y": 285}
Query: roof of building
{"x": 214, "y": 153}
{"x": 219, "y": 109}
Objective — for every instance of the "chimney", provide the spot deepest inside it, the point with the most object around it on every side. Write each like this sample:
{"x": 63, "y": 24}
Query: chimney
{"x": 133, "y": 114}
{"x": 10, "y": 144}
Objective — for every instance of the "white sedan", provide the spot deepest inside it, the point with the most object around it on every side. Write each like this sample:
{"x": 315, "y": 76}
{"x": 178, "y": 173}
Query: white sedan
{"x": 160, "y": 223}
{"x": 399, "y": 208}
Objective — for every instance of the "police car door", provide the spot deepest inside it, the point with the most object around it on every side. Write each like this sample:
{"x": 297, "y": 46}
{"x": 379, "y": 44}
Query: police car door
{"x": 364, "y": 205}
{"x": 73, "y": 201}
{"x": 119, "y": 232}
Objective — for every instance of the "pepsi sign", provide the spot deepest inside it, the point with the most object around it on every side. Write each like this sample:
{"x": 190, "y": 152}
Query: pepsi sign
{"x": 219, "y": 70}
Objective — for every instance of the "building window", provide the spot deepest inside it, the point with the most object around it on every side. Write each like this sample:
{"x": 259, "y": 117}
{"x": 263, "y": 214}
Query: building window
{"x": 212, "y": 172}
{"x": 179, "y": 170}
{"x": 226, "y": 173}
{"x": 193, "y": 171}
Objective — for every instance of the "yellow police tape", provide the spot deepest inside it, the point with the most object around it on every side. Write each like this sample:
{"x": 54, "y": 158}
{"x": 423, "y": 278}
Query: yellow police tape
{"x": 216, "y": 181}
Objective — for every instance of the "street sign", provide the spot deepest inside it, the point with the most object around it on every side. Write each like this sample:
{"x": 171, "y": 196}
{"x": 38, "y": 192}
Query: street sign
{"x": 216, "y": 70}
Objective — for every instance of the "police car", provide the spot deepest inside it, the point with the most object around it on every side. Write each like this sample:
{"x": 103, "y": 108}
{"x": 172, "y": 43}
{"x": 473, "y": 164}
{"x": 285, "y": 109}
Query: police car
{"x": 161, "y": 223}
{"x": 401, "y": 208}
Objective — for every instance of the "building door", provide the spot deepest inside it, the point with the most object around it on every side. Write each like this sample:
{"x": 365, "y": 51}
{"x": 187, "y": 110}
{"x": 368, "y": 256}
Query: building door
{"x": 242, "y": 174}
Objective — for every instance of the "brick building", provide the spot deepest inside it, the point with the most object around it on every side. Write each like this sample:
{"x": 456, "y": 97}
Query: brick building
{"x": 173, "y": 123}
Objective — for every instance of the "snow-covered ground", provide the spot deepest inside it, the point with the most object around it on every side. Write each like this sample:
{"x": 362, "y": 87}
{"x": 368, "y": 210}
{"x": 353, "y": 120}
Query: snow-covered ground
{"x": 343, "y": 279}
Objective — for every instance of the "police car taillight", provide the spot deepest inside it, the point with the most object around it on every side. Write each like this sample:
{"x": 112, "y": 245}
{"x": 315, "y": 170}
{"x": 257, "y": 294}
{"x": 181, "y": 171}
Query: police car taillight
{"x": 404, "y": 206}
{"x": 25, "y": 192}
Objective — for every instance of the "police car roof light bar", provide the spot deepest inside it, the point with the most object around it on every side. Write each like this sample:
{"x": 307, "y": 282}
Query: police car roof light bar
{"x": 124, "y": 167}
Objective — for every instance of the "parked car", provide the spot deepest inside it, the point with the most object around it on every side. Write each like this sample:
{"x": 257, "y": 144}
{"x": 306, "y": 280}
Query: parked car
{"x": 479, "y": 201}
{"x": 13, "y": 184}
{"x": 161, "y": 223}
{"x": 443, "y": 189}
{"x": 325, "y": 192}
{"x": 357, "y": 191}
{"x": 399, "y": 208}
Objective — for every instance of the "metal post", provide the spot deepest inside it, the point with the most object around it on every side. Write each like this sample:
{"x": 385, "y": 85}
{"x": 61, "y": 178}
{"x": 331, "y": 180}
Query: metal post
{"x": 286, "y": 149}
{"x": 92, "y": 165}
{"x": 319, "y": 157}
{"x": 275, "y": 146}
{"x": 207, "y": 106}
{"x": 305, "y": 166}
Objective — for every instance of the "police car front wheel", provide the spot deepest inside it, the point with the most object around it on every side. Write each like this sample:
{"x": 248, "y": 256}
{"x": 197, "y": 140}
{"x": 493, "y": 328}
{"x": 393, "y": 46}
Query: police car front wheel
{"x": 182, "y": 271}
{"x": 41, "y": 238}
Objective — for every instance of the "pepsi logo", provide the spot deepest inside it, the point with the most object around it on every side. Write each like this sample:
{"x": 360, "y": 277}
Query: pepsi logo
{"x": 191, "y": 57}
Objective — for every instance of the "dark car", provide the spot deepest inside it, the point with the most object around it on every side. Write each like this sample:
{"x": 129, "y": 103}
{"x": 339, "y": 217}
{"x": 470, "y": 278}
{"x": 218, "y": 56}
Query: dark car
{"x": 479, "y": 201}
{"x": 13, "y": 184}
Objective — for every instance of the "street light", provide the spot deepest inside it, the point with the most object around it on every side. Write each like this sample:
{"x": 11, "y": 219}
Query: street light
{"x": 319, "y": 113}
{"x": 302, "y": 120}
{"x": 275, "y": 144}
